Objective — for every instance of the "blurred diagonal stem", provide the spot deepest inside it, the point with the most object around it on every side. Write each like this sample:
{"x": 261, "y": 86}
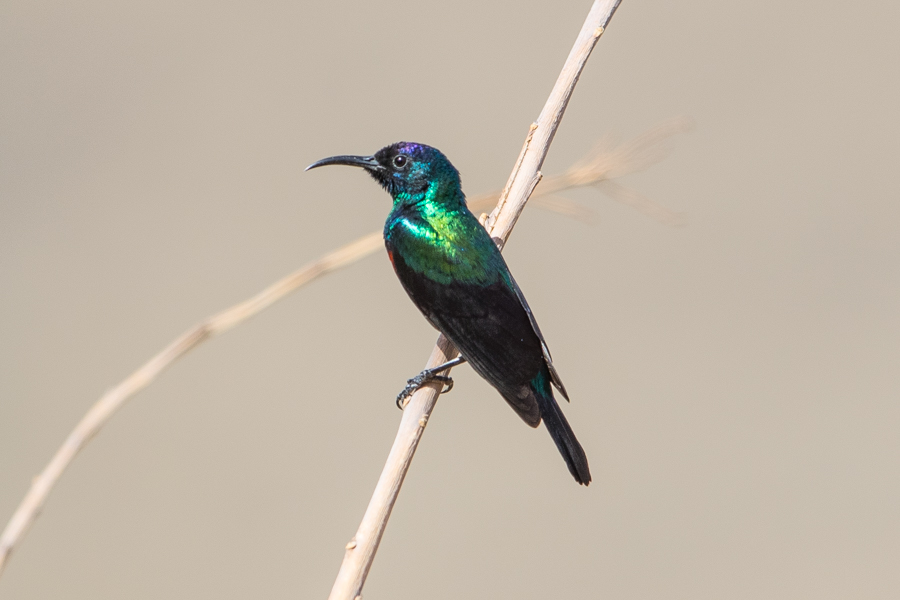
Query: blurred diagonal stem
{"x": 526, "y": 174}
{"x": 607, "y": 161}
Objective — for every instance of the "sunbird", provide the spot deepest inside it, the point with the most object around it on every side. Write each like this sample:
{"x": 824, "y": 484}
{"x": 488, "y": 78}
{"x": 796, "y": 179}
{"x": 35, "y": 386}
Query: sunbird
{"x": 455, "y": 274}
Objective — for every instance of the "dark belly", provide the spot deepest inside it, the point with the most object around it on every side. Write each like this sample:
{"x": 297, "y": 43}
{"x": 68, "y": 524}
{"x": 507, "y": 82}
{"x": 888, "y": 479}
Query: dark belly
{"x": 487, "y": 323}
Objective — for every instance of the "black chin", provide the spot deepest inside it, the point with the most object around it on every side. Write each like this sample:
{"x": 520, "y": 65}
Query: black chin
{"x": 384, "y": 179}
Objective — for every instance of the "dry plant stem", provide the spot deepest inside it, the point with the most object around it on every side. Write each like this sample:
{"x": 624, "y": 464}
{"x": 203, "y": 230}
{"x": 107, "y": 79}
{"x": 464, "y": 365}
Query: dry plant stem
{"x": 360, "y": 552}
{"x": 593, "y": 171}
{"x": 540, "y": 136}
{"x": 112, "y": 400}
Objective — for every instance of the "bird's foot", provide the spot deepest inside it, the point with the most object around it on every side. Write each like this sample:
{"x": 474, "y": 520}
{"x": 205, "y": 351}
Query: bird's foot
{"x": 425, "y": 377}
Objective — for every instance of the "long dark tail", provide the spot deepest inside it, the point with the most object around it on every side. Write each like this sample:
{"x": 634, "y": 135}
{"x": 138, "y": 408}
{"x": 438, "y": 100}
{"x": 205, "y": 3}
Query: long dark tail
{"x": 560, "y": 431}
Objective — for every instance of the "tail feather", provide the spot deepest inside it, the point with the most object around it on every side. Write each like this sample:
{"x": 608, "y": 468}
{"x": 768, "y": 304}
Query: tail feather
{"x": 560, "y": 431}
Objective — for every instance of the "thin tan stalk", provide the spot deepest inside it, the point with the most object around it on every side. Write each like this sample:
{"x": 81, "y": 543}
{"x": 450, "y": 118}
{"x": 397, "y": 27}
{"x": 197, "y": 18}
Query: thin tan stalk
{"x": 360, "y": 551}
{"x": 112, "y": 400}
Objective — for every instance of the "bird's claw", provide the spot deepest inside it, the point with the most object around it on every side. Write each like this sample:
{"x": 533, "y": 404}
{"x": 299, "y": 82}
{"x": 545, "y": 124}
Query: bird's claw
{"x": 423, "y": 378}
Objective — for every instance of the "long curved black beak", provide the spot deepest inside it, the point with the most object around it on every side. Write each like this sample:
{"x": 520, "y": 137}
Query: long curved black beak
{"x": 366, "y": 162}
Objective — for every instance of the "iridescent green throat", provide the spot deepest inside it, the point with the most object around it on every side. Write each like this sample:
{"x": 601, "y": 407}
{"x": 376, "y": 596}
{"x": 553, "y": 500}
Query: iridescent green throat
{"x": 436, "y": 235}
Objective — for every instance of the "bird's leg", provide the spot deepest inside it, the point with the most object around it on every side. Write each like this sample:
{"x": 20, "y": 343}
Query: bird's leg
{"x": 427, "y": 376}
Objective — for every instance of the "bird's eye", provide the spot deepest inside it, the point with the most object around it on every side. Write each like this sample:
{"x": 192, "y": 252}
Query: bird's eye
{"x": 400, "y": 161}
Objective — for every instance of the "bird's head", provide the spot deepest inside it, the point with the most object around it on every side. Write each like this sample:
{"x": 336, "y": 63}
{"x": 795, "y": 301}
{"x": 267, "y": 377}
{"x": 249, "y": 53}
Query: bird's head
{"x": 408, "y": 171}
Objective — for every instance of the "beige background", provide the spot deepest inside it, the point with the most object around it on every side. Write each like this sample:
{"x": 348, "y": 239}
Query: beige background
{"x": 735, "y": 382}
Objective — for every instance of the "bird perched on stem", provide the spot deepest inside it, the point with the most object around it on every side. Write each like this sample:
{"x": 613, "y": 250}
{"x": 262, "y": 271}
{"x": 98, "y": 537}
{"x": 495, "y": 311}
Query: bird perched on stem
{"x": 454, "y": 272}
